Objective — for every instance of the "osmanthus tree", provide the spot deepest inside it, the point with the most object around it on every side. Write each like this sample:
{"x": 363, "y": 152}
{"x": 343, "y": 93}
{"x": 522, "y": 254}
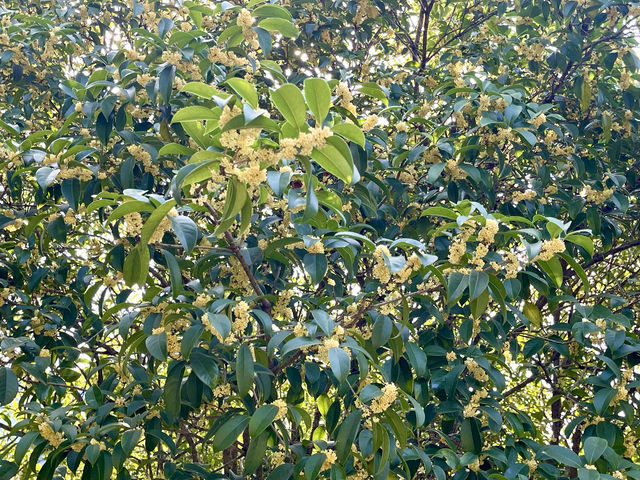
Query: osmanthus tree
{"x": 329, "y": 239}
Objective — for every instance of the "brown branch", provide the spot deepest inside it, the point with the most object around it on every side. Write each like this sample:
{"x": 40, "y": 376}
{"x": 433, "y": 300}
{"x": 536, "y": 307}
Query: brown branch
{"x": 598, "y": 257}
{"x": 520, "y": 386}
{"x": 235, "y": 249}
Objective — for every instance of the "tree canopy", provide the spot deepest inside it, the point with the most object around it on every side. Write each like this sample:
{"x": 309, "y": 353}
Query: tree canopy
{"x": 330, "y": 239}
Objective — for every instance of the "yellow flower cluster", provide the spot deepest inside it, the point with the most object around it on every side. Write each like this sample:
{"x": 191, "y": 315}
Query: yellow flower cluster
{"x": 299, "y": 330}
{"x": 597, "y": 196}
{"x": 47, "y": 432}
{"x": 229, "y": 59}
{"x": 476, "y": 370}
{"x": 327, "y": 344}
{"x": 538, "y": 120}
{"x": 384, "y": 401}
{"x": 471, "y": 408}
{"x": 253, "y": 175}
{"x": 81, "y": 173}
{"x": 550, "y": 248}
{"x": 330, "y": 459}
{"x": 140, "y": 154}
{"x": 488, "y": 232}
{"x": 245, "y": 20}
{"x": 282, "y": 409}
{"x": 201, "y": 300}
{"x": 342, "y": 90}
{"x": 370, "y": 122}
{"x": 512, "y": 266}
{"x": 277, "y": 458}
{"x": 305, "y": 142}
{"x": 17, "y": 224}
{"x": 171, "y": 57}
{"x": 536, "y": 51}
{"x": 532, "y": 464}
{"x": 622, "y": 395}
{"x": 630, "y": 441}
{"x": 454, "y": 171}
{"x": 133, "y": 223}
{"x": 240, "y": 317}
{"x": 317, "y": 247}
{"x": 380, "y": 269}
{"x": 281, "y": 308}
{"x": 222, "y": 390}
{"x": 457, "y": 250}
{"x": 519, "y": 196}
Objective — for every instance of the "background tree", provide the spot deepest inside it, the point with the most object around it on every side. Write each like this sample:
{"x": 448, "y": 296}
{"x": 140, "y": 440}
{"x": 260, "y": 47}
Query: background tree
{"x": 328, "y": 239}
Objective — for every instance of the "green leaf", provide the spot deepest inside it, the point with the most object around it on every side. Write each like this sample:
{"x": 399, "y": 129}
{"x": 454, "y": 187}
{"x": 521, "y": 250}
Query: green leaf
{"x": 281, "y": 472}
{"x": 579, "y": 271}
{"x": 129, "y": 207}
{"x": 92, "y": 452}
{"x": 532, "y": 313}
{"x": 553, "y": 268}
{"x": 318, "y": 96}
{"x": 350, "y": 132}
{"x": 290, "y": 103}
{"x": 585, "y": 95}
{"x": 204, "y": 366}
{"x": 130, "y": 439}
{"x": 316, "y": 266}
{"x": 154, "y": 220}
{"x": 235, "y": 200}
{"x": 340, "y": 363}
{"x": 195, "y": 113}
{"x": 563, "y": 455}
{"x": 8, "y": 470}
{"x": 594, "y": 447}
{"x": 583, "y": 241}
{"x": 255, "y": 454}
{"x": 347, "y": 434}
{"x": 589, "y": 474}
{"x": 190, "y": 339}
{"x": 417, "y": 358}
{"x": 202, "y": 90}
{"x": 172, "y": 388}
{"x": 45, "y": 176}
{"x": 313, "y": 465}
{"x": 478, "y": 282}
{"x": 275, "y": 24}
{"x": 229, "y": 432}
{"x": 186, "y": 230}
{"x": 527, "y": 135}
{"x": 479, "y": 305}
{"x": 221, "y": 323}
{"x": 602, "y": 399}
{"x": 23, "y": 445}
{"x": 244, "y": 370}
{"x": 261, "y": 419}
{"x": 157, "y": 345}
{"x": 245, "y": 89}
{"x": 136, "y": 266}
{"x": 175, "y": 274}
{"x": 8, "y": 385}
{"x": 271, "y": 10}
{"x": 470, "y": 435}
{"x": 335, "y": 158}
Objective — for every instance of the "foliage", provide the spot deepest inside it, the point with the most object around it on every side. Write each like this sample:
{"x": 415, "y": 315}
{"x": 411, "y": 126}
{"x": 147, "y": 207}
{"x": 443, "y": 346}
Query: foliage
{"x": 330, "y": 239}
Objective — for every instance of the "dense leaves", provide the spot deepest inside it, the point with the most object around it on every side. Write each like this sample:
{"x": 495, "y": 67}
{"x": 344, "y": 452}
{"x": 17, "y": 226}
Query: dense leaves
{"x": 335, "y": 240}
